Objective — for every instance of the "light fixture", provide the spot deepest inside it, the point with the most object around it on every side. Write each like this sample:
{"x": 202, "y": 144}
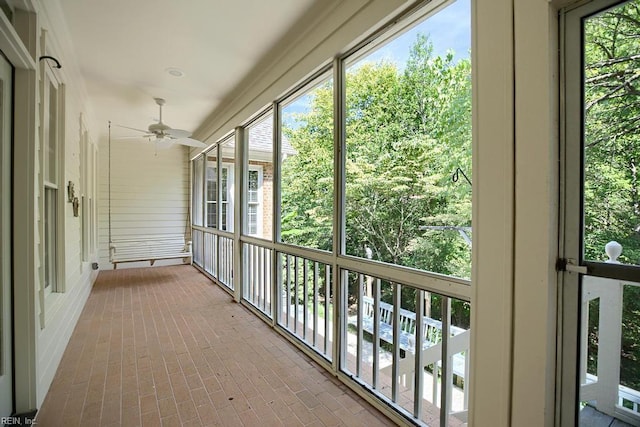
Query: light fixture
{"x": 175, "y": 72}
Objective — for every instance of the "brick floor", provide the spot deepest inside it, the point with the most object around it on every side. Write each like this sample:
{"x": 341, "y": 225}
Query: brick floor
{"x": 164, "y": 346}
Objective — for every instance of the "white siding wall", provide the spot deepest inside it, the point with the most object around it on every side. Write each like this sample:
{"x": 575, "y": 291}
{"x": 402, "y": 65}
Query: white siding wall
{"x": 57, "y": 313}
{"x": 149, "y": 194}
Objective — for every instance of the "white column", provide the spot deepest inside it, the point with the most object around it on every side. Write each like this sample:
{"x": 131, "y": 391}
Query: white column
{"x": 493, "y": 213}
{"x": 609, "y": 336}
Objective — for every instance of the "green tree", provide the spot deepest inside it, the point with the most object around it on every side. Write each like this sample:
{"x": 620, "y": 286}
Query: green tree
{"x": 307, "y": 176}
{"x": 408, "y": 130}
{"x": 612, "y": 125}
{"x": 612, "y": 154}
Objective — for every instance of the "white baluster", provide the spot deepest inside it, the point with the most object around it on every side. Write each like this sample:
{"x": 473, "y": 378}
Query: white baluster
{"x": 613, "y": 250}
{"x": 609, "y": 342}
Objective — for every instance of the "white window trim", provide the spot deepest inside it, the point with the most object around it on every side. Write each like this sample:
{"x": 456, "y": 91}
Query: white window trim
{"x": 230, "y": 195}
{"x": 259, "y": 223}
{"x": 48, "y": 296}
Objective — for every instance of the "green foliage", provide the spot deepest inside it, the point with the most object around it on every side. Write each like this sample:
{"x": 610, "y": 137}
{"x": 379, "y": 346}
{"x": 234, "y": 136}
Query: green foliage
{"x": 407, "y": 132}
{"x": 307, "y": 177}
{"x": 630, "y": 361}
{"x": 612, "y": 154}
{"x": 612, "y": 126}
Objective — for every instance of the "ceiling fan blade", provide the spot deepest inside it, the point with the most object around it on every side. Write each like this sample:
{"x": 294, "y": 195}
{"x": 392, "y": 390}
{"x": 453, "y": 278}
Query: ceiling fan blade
{"x": 134, "y": 137}
{"x": 138, "y": 130}
{"x": 190, "y": 142}
{"x": 178, "y": 133}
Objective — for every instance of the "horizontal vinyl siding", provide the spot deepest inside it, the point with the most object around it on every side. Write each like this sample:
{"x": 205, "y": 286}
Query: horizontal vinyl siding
{"x": 149, "y": 195}
{"x": 61, "y": 310}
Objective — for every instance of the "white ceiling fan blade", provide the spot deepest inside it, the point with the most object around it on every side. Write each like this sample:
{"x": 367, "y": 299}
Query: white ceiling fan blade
{"x": 138, "y": 130}
{"x": 178, "y": 133}
{"x": 190, "y": 142}
{"x": 134, "y": 137}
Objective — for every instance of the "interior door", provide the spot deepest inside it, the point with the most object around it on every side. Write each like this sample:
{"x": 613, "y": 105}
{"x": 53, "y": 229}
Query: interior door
{"x": 6, "y": 298}
{"x": 600, "y": 371}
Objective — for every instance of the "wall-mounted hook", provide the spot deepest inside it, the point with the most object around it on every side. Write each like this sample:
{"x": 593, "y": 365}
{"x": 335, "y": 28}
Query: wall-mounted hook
{"x": 51, "y": 58}
{"x": 456, "y": 176}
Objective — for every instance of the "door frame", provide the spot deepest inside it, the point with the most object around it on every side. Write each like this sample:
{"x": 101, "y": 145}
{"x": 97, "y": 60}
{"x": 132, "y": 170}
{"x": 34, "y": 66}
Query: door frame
{"x": 18, "y": 42}
{"x": 571, "y": 209}
{"x": 7, "y": 161}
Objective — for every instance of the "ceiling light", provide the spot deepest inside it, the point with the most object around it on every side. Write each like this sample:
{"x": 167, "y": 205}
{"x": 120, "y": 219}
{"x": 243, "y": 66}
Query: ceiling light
{"x": 175, "y": 72}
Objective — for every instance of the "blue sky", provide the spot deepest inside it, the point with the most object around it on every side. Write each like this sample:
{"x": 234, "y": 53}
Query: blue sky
{"x": 449, "y": 29}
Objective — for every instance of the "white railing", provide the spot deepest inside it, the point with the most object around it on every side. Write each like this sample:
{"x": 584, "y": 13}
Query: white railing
{"x": 602, "y": 389}
{"x": 416, "y": 380}
{"x": 431, "y": 332}
{"x": 213, "y": 253}
{"x": 296, "y": 289}
{"x": 305, "y": 291}
{"x": 257, "y": 277}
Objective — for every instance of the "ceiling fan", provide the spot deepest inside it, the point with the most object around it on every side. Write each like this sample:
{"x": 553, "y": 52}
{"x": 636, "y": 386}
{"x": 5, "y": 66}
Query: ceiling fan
{"x": 165, "y": 135}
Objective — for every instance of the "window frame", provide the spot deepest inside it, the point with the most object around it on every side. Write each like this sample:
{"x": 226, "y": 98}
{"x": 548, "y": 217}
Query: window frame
{"x": 269, "y": 113}
{"x": 224, "y": 215}
{"x": 259, "y": 203}
{"x": 52, "y": 208}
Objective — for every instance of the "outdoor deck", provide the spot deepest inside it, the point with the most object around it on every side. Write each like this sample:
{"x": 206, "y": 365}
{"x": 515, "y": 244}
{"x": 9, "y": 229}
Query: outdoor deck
{"x": 165, "y": 346}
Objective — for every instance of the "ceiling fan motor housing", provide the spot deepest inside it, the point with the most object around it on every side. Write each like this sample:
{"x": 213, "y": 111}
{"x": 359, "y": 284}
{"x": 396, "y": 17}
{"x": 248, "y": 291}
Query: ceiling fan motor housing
{"x": 158, "y": 128}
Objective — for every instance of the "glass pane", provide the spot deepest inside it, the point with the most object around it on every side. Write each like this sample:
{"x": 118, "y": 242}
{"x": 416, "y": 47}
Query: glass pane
{"x": 612, "y": 132}
{"x": 253, "y": 186}
{"x": 52, "y": 137}
{"x": 50, "y": 236}
{"x": 197, "y": 191}
{"x": 259, "y": 178}
{"x": 252, "y": 219}
{"x": 228, "y": 147}
{"x": 211, "y": 188}
{"x": 307, "y": 168}
{"x": 225, "y": 184}
{"x": 408, "y": 158}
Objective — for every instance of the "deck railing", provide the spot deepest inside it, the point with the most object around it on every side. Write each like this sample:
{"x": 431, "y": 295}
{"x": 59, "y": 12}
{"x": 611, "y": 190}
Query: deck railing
{"x": 345, "y": 311}
{"x": 306, "y": 294}
{"x": 257, "y": 280}
{"x": 601, "y": 388}
{"x": 213, "y": 252}
{"x": 386, "y": 322}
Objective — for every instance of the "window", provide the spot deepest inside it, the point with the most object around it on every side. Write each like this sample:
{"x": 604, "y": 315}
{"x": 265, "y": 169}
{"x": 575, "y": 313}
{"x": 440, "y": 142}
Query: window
{"x": 408, "y": 132}
{"x": 253, "y": 202}
{"x": 306, "y": 150}
{"x": 212, "y": 196}
{"x": 198, "y": 165}
{"x": 50, "y": 238}
{"x": 259, "y": 178}
{"x": 226, "y": 197}
{"x": 52, "y": 153}
{"x": 85, "y": 191}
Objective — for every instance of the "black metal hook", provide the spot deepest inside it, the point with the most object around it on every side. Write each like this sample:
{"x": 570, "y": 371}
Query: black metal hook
{"x": 51, "y": 58}
{"x": 456, "y": 176}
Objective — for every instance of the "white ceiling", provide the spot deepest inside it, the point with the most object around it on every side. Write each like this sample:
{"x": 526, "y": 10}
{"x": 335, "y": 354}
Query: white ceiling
{"x": 124, "y": 47}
